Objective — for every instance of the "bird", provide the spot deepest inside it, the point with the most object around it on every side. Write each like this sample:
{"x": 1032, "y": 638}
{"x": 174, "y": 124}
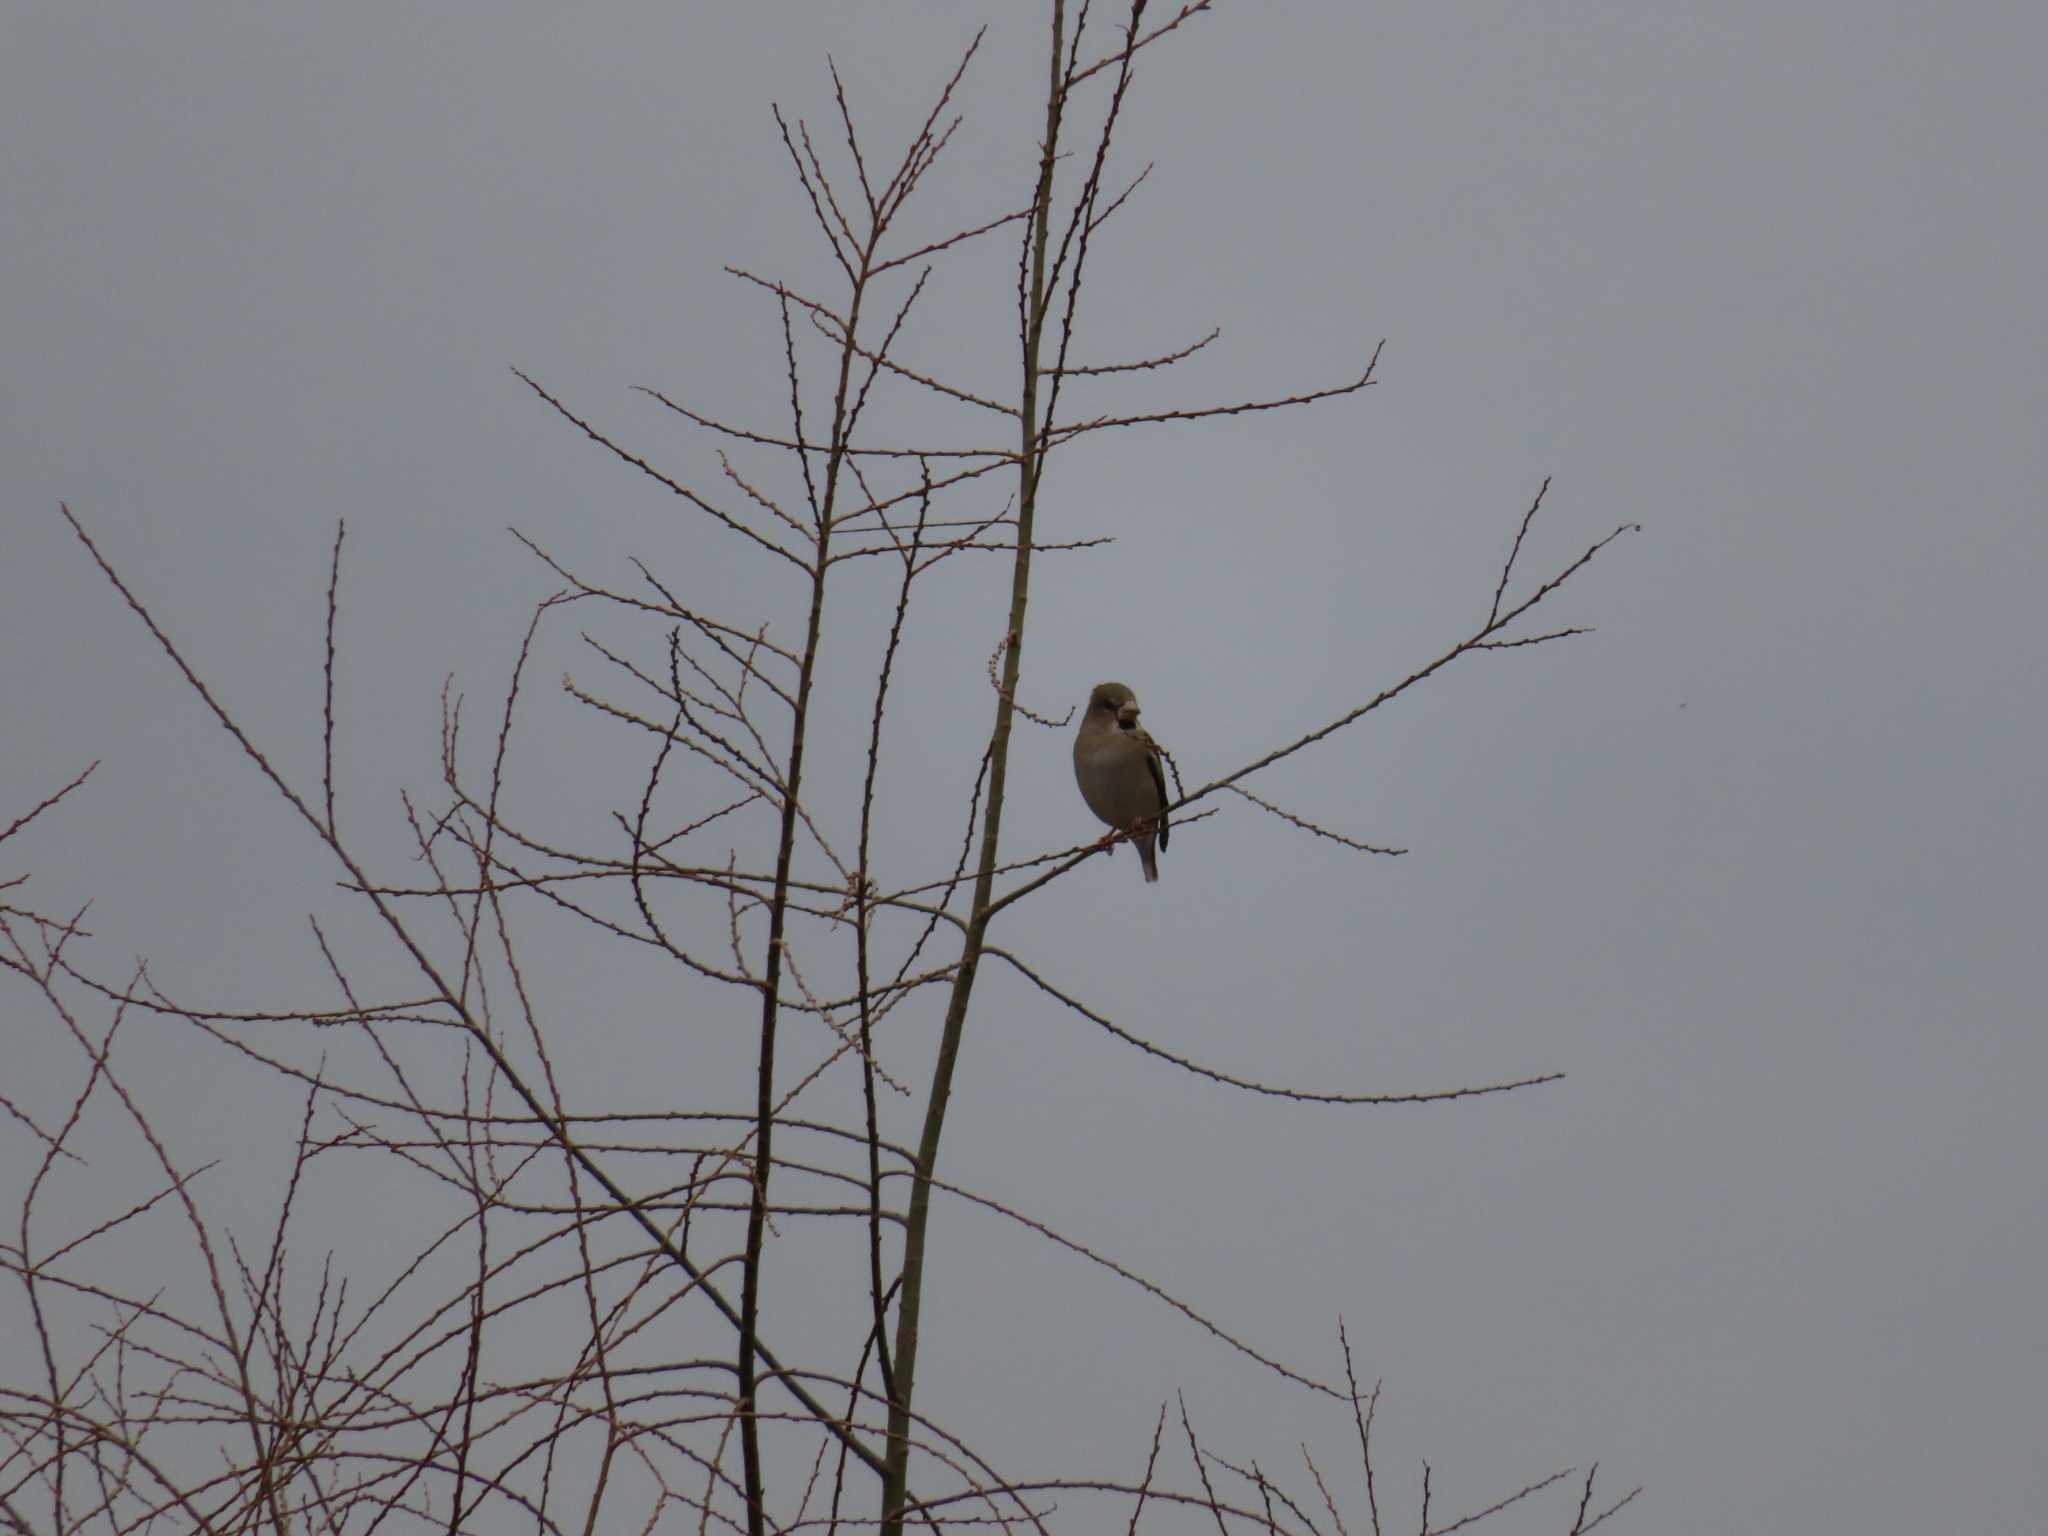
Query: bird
{"x": 1118, "y": 766}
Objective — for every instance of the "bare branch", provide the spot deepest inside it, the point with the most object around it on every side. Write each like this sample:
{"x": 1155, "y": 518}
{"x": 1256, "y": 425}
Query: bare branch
{"x": 1309, "y": 826}
{"x": 1495, "y": 1508}
{"x": 1067, "y": 431}
{"x": 1191, "y": 9}
{"x": 1164, "y": 360}
{"x": 1299, "y": 1095}
{"x": 1508, "y": 567}
{"x": 659, "y": 478}
{"x": 327, "y": 676}
{"x": 41, "y": 806}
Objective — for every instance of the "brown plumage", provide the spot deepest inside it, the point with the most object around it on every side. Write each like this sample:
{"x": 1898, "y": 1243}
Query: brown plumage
{"x": 1120, "y": 772}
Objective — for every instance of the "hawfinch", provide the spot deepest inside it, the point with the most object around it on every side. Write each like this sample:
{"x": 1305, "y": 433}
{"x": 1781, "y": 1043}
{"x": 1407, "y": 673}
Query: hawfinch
{"x": 1120, "y": 772}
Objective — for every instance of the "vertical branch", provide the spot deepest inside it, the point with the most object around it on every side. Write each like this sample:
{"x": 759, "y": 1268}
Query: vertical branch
{"x": 327, "y": 676}
{"x": 771, "y": 986}
{"x": 824, "y": 508}
{"x": 863, "y": 893}
{"x": 1033, "y": 304}
{"x": 1363, "y": 1418}
{"x": 472, "y": 1361}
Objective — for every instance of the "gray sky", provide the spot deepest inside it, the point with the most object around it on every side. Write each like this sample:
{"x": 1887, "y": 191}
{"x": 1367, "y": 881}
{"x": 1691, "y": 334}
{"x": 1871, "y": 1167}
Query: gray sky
{"x": 1757, "y": 864}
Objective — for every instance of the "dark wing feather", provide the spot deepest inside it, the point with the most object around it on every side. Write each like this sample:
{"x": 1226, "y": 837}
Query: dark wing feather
{"x": 1152, "y": 761}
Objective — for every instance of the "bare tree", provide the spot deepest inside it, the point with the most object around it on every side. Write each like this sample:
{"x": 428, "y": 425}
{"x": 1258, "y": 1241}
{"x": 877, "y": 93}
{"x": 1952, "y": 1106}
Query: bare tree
{"x": 523, "y": 1362}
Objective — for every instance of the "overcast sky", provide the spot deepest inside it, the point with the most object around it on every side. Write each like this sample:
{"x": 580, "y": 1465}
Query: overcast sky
{"x": 1757, "y": 864}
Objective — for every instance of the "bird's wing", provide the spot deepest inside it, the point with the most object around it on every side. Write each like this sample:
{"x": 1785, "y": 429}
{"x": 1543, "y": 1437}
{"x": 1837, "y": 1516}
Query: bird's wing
{"x": 1157, "y": 767}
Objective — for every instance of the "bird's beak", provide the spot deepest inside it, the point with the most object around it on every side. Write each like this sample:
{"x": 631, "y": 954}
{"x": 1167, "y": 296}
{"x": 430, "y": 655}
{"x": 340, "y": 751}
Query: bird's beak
{"x": 1127, "y": 715}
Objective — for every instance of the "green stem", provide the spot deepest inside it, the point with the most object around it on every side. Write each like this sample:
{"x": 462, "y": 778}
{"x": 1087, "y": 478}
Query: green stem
{"x": 895, "y": 1477}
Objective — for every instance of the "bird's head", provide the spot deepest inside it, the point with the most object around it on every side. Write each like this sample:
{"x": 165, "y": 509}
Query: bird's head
{"x": 1117, "y": 702}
